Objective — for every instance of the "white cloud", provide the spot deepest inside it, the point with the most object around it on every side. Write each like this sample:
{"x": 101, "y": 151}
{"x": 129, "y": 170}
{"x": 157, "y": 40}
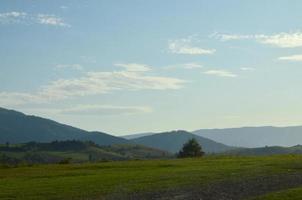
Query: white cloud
{"x": 226, "y": 37}
{"x": 105, "y": 110}
{"x": 15, "y": 17}
{"x": 221, "y": 73}
{"x": 283, "y": 40}
{"x": 187, "y": 46}
{"x": 51, "y": 20}
{"x": 12, "y": 17}
{"x": 134, "y": 67}
{"x": 13, "y": 14}
{"x": 69, "y": 66}
{"x": 291, "y": 58}
{"x": 247, "y": 69}
{"x": 92, "y": 83}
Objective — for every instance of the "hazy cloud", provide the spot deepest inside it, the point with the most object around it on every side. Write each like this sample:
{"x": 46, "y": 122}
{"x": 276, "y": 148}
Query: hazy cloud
{"x": 90, "y": 110}
{"x": 221, "y": 73}
{"x": 188, "y": 46}
{"x": 15, "y": 17}
{"x": 134, "y": 67}
{"x": 12, "y": 17}
{"x": 105, "y": 110}
{"x": 283, "y": 40}
{"x": 247, "y": 69}
{"x": 292, "y": 58}
{"x": 63, "y": 7}
{"x": 16, "y": 98}
{"x": 192, "y": 66}
{"x": 92, "y": 83}
{"x": 51, "y": 20}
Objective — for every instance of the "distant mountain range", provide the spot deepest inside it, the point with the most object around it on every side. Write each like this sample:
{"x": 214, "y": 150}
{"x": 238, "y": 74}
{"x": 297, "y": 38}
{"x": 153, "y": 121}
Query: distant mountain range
{"x": 16, "y": 127}
{"x": 255, "y": 136}
{"x": 173, "y": 142}
{"x": 250, "y": 137}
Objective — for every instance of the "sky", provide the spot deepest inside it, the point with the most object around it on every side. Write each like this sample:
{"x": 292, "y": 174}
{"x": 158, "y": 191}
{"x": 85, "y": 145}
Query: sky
{"x": 125, "y": 67}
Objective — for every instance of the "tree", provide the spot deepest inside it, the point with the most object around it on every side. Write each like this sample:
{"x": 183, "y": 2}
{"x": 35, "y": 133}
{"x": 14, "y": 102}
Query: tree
{"x": 191, "y": 149}
{"x": 65, "y": 161}
{"x": 90, "y": 158}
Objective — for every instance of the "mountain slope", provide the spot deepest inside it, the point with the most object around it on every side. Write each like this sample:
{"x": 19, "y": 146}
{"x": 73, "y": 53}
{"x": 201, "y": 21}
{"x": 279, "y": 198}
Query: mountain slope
{"x": 16, "y": 127}
{"x": 173, "y": 142}
{"x": 74, "y": 151}
{"x": 255, "y": 136}
{"x": 264, "y": 151}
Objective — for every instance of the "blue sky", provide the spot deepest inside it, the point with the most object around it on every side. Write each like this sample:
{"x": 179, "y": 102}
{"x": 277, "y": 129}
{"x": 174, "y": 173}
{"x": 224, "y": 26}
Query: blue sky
{"x": 139, "y": 66}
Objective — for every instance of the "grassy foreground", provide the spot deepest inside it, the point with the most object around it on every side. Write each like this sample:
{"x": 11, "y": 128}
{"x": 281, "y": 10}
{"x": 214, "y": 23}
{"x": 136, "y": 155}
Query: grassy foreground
{"x": 290, "y": 194}
{"x": 96, "y": 181}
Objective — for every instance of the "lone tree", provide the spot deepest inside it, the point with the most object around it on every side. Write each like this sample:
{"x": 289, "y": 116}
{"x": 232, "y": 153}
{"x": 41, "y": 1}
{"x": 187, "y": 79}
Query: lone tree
{"x": 191, "y": 149}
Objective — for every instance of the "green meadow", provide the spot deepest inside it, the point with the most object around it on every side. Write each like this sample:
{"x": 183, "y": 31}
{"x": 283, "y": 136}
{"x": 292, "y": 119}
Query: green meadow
{"x": 111, "y": 180}
{"x": 289, "y": 194}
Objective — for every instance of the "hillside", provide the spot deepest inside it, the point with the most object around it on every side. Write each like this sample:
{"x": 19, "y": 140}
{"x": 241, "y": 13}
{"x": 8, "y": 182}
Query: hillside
{"x": 74, "y": 151}
{"x": 173, "y": 142}
{"x": 255, "y": 136}
{"x": 16, "y": 127}
{"x": 263, "y": 151}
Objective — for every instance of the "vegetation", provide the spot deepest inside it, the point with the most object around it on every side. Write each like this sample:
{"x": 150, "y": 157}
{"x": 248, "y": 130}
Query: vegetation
{"x": 273, "y": 150}
{"x": 289, "y": 194}
{"x": 191, "y": 149}
{"x": 72, "y": 151}
{"x": 111, "y": 179}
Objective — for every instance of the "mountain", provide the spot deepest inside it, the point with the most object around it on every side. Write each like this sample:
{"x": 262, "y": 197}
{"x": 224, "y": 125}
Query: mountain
{"x": 262, "y": 151}
{"x": 74, "y": 151}
{"x": 255, "y": 136}
{"x": 173, "y": 142}
{"x": 16, "y": 127}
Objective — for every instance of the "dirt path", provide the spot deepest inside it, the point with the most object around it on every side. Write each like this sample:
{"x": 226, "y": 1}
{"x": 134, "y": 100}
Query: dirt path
{"x": 226, "y": 190}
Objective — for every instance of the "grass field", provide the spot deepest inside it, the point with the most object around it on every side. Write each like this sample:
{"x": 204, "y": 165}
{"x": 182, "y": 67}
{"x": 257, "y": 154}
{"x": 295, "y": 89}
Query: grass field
{"x": 113, "y": 180}
{"x": 289, "y": 194}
